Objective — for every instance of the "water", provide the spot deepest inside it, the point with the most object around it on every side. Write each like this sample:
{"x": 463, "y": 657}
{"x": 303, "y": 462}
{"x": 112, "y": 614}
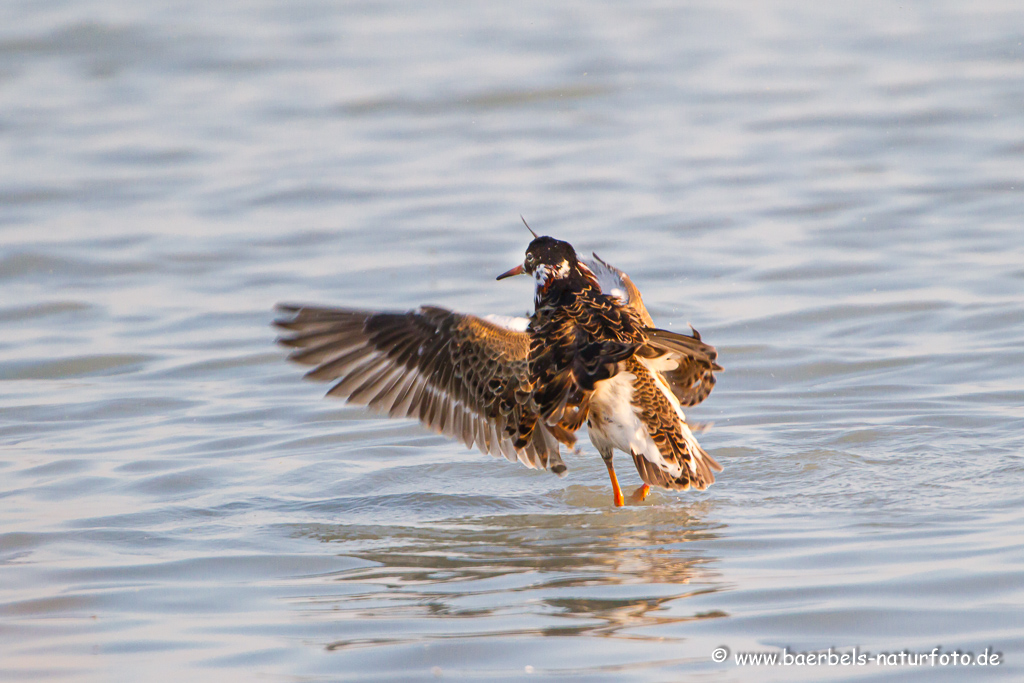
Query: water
{"x": 832, "y": 196}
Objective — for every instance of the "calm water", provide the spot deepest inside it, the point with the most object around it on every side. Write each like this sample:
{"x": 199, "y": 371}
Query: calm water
{"x": 832, "y": 196}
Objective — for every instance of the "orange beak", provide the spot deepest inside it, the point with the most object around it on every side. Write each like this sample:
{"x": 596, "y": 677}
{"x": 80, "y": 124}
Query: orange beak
{"x": 518, "y": 270}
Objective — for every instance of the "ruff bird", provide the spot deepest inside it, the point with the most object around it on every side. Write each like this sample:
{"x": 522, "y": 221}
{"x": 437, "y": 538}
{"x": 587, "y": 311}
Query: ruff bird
{"x": 519, "y": 387}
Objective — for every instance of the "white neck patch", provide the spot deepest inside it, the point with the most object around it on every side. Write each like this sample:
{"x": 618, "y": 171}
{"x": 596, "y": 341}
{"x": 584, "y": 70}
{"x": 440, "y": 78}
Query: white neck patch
{"x": 543, "y": 274}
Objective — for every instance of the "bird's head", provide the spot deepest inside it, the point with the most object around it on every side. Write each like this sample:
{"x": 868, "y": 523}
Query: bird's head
{"x": 547, "y": 260}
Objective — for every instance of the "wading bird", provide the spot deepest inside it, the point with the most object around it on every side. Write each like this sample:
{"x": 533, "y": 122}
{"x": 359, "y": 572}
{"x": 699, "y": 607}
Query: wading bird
{"x": 520, "y": 387}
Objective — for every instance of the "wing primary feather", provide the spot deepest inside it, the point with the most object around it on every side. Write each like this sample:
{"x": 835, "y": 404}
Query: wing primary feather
{"x": 366, "y": 392}
{"x": 404, "y": 402}
{"x": 384, "y": 398}
{"x": 320, "y": 353}
{"x": 340, "y": 365}
{"x": 398, "y": 395}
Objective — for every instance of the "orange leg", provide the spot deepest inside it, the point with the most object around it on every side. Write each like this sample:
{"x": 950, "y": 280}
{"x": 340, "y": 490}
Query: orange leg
{"x": 640, "y": 495}
{"x": 616, "y": 491}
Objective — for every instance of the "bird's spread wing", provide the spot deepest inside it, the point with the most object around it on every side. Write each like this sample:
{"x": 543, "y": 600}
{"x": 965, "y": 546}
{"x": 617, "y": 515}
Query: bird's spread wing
{"x": 616, "y": 284}
{"x": 458, "y": 374}
{"x": 692, "y": 377}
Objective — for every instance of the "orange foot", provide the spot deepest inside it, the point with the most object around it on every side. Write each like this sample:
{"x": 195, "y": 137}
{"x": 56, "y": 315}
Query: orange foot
{"x": 640, "y": 495}
{"x": 616, "y": 491}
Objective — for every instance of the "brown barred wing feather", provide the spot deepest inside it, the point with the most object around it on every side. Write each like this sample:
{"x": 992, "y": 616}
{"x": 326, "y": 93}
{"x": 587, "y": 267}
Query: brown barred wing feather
{"x": 692, "y": 378}
{"x": 673, "y": 438}
{"x": 458, "y": 374}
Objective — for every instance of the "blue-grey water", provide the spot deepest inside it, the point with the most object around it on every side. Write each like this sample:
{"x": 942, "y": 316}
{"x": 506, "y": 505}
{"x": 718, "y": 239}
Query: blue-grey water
{"x": 832, "y": 194}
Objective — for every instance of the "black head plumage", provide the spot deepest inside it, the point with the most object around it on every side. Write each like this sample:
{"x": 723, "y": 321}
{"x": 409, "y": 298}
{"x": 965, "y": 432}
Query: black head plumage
{"x": 554, "y": 255}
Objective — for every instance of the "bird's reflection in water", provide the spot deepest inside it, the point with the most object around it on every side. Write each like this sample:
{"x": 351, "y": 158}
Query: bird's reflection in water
{"x": 604, "y": 573}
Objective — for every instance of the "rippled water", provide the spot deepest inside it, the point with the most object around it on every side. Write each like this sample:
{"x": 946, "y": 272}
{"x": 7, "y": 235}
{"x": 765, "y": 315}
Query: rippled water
{"x": 832, "y": 196}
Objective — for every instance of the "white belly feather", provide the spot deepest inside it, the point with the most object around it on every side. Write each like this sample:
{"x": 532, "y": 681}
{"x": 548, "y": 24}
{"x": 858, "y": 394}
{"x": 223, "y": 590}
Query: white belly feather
{"x": 615, "y": 421}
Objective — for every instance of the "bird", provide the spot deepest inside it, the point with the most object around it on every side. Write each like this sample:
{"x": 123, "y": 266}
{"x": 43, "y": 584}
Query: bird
{"x": 522, "y": 387}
